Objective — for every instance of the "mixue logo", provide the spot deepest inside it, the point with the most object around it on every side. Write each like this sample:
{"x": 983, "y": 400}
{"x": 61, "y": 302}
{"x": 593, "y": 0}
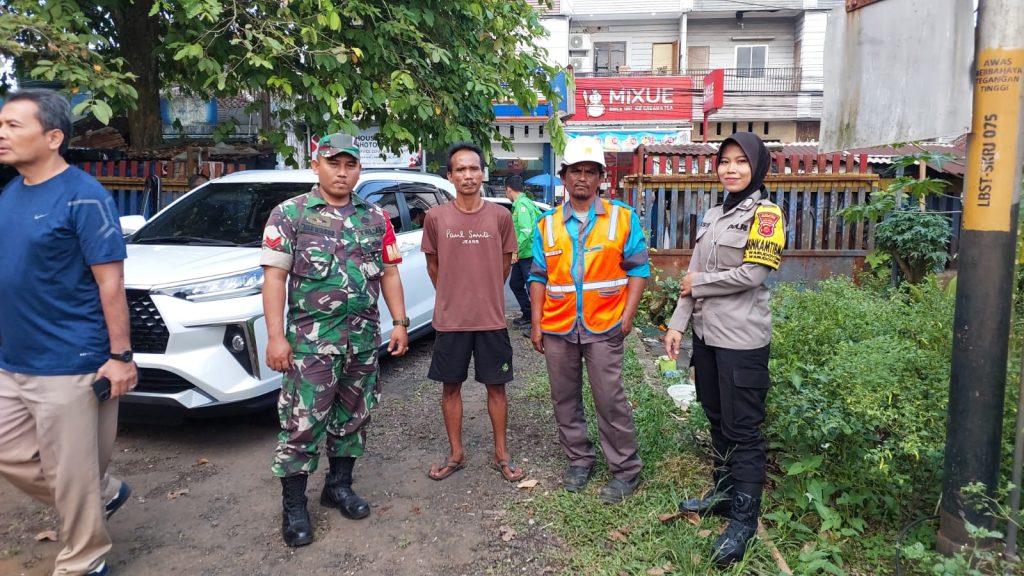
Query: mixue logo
{"x": 640, "y": 96}
{"x": 628, "y": 100}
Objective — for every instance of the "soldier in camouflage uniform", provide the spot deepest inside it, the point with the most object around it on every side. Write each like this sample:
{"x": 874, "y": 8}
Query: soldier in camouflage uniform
{"x": 335, "y": 253}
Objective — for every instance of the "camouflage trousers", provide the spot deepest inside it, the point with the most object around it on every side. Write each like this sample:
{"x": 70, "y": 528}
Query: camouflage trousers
{"x": 324, "y": 396}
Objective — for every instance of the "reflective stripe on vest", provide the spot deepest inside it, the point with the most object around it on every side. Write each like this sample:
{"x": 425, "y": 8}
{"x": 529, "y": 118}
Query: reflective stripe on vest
{"x": 599, "y": 298}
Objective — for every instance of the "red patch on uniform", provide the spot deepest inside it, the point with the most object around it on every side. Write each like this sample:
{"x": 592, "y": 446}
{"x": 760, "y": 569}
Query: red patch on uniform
{"x": 272, "y": 242}
{"x": 766, "y": 222}
{"x": 392, "y": 255}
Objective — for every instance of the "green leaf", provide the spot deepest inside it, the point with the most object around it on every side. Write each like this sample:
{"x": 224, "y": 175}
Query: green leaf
{"x": 101, "y": 110}
{"x": 805, "y": 465}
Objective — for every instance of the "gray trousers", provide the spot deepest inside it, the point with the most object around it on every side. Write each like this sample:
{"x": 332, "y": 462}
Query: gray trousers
{"x": 614, "y": 415}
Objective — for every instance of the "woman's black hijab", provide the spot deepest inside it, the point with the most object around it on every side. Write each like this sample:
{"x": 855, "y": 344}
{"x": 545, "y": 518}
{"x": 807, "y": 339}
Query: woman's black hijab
{"x": 759, "y": 159}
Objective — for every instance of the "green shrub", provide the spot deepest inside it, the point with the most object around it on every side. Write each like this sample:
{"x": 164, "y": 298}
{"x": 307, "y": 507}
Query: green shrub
{"x": 859, "y": 404}
{"x": 917, "y": 241}
{"x": 659, "y": 299}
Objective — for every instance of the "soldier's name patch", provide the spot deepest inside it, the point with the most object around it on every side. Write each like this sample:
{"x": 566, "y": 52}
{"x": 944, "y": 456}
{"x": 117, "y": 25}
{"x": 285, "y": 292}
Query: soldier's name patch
{"x": 311, "y": 228}
{"x": 375, "y": 231}
{"x": 767, "y": 238}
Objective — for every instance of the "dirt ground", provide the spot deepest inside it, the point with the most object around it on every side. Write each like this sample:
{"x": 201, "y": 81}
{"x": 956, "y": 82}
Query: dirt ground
{"x": 205, "y": 503}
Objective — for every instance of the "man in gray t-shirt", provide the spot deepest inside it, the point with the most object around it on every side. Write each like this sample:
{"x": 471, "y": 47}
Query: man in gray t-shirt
{"x": 469, "y": 245}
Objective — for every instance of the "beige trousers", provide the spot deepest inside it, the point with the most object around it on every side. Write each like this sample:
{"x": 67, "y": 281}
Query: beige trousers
{"x": 56, "y": 440}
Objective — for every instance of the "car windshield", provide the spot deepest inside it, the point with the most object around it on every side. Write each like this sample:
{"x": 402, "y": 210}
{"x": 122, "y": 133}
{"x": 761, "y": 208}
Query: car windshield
{"x": 220, "y": 214}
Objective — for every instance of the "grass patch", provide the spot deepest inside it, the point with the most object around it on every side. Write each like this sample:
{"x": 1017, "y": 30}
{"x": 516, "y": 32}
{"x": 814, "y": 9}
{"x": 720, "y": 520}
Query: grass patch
{"x": 538, "y": 387}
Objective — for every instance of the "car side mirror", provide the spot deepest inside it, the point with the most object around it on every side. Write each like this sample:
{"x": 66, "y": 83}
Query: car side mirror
{"x": 131, "y": 224}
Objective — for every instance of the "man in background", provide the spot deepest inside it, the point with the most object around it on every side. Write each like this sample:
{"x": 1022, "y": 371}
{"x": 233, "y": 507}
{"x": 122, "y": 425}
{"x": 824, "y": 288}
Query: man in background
{"x": 524, "y": 219}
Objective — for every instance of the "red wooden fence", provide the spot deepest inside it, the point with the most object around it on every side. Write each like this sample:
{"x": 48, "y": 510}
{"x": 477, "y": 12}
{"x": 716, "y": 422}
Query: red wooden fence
{"x": 126, "y": 179}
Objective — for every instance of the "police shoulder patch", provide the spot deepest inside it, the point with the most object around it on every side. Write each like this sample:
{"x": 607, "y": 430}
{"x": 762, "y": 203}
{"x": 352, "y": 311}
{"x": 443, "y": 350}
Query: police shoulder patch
{"x": 767, "y": 237}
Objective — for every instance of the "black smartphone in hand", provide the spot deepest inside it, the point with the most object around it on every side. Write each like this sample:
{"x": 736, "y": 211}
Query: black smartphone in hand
{"x": 101, "y": 388}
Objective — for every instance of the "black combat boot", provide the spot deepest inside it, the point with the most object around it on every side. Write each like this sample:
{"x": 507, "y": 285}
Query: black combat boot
{"x": 746, "y": 509}
{"x": 714, "y": 502}
{"x": 338, "y": 491}
{"x": 296, "y": 527}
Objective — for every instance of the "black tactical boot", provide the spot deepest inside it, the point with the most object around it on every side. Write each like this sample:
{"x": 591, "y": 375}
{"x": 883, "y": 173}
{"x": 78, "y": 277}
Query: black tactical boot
{"x": 746, "y": 508}
{"x": 296, "y": 527}
{"x": 338, "y": 491}
{"x": 714, "y": 502}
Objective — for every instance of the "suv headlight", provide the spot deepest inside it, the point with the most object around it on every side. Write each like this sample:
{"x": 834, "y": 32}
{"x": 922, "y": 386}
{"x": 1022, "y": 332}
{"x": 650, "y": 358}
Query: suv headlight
{"x": 233, "y": 286}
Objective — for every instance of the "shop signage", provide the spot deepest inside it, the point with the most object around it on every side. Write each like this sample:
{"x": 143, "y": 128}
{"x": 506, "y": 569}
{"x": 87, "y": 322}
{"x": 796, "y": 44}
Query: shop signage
{"x": 636, "y": 98}
{"x": 620, "y": 141}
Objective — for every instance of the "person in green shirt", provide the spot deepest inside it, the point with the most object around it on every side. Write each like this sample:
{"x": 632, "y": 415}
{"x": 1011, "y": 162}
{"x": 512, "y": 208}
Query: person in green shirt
{"x": 524, "y": 219}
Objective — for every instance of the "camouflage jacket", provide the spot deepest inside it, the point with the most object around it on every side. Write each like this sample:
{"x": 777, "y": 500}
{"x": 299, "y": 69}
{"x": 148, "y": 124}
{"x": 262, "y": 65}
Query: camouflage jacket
{"x": 335, "y": 257}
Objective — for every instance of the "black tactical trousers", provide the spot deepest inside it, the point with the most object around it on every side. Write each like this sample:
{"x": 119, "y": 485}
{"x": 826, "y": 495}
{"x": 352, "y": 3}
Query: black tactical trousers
{"x": 732, "y": 386}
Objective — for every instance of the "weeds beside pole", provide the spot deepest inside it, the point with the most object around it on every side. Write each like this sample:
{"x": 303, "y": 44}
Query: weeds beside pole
{"x": 1018, "y": 461}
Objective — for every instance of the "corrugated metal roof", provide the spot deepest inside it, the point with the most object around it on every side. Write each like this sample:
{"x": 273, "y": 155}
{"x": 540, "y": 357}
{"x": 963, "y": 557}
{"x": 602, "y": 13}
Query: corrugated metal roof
{"x": 885, "y": 154}
{"x": 682, "y": 149}
{"x": 876, "y": 155}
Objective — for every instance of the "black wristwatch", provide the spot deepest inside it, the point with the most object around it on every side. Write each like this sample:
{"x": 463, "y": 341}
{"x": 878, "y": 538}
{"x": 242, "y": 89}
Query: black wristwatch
{"x": 402, "y": 322}
{"x": 125, "y": 356}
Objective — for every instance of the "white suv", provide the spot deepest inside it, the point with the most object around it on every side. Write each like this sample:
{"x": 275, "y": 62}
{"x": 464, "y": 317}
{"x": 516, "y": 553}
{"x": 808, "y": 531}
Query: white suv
{"x": 194, "y": 285}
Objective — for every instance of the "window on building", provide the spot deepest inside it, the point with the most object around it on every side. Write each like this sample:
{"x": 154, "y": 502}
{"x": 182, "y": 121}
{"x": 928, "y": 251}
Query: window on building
{"x": 665, "y": 57}
{"x": 698, "y": 57}
{"x": 751, "y": 61}
{"x": 609, "y": 56}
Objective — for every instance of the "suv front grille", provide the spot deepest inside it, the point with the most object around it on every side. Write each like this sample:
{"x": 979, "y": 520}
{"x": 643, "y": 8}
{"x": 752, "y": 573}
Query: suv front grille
{"x": 149, "y": 334}
{"x": 161, "y": 381}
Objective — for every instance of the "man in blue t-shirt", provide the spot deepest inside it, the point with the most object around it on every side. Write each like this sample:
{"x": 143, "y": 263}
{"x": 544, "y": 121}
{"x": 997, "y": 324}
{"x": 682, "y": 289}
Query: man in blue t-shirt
{"x": 63, "y": 326}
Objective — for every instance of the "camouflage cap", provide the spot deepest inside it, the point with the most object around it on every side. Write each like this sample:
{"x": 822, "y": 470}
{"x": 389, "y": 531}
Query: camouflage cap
{"x": 338, "y": 143}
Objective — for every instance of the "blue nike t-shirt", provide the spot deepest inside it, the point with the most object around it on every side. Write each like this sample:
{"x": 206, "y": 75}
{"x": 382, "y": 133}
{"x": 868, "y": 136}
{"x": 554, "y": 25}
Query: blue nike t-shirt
{"x": 51, "y": 318}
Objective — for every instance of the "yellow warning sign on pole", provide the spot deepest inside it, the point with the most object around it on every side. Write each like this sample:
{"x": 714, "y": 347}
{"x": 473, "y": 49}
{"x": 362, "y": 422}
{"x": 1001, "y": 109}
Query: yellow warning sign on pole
{"x": 990, "y": 186}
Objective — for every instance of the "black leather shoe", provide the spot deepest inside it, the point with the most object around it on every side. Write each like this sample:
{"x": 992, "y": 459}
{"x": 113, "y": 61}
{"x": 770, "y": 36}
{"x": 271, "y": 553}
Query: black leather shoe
{"x": 714, "y": 502}
{"x": 343, "y": 498}
{"x": 296, "y": 527}
{"x": 731, "y": 545}
{"x": 576, "y": 478}
{"x": 618, "y": 490}
{"x": 338, "y": 491}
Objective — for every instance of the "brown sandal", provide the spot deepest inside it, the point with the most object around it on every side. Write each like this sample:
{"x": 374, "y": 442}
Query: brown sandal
{"x": 446, "y": 469}
{"x": 513, "y": 474}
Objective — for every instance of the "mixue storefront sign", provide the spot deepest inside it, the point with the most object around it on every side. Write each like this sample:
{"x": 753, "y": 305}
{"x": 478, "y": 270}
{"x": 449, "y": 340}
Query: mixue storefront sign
{"x": 604, "y": 100}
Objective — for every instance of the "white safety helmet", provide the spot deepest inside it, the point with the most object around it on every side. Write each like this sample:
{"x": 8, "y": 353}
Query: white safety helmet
{"x": 583, "y": 149}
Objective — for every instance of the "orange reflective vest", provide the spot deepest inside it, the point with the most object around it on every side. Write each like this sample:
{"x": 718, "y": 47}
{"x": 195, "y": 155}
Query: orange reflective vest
{"x": 594, "y": 292}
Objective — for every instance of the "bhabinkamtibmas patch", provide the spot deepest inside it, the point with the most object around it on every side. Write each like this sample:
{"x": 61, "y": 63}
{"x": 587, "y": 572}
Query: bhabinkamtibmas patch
{"x": 767, "y": 238}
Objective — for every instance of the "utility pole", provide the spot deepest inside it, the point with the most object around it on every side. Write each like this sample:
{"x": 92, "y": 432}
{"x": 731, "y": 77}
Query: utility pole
{"x": 981, "y": 325}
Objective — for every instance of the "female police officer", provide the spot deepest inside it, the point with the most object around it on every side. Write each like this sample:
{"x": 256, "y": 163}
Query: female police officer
{"x": 738, "y": 244}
